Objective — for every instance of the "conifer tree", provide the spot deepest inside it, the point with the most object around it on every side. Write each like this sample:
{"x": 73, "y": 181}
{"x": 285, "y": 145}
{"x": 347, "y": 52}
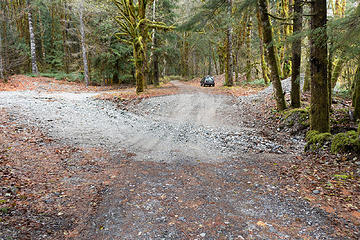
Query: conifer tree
{"x": 319, "y": 110}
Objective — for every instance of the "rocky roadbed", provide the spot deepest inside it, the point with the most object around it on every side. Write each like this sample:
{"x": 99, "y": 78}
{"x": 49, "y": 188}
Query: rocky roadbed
{"x": 198, "y": 166}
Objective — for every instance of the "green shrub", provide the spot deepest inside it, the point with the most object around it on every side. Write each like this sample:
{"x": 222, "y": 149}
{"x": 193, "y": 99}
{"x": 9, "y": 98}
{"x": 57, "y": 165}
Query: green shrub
{"x": 256, "y": 83}
{"x": 71, "y": 77}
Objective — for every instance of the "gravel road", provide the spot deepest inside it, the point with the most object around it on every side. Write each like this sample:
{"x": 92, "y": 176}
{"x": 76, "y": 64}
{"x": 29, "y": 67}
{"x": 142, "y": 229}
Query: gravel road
{"x": 192, "y": 125}
{"x": 199, "y": 169}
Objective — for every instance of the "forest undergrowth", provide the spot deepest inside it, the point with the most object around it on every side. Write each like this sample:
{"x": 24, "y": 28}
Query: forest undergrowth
{"x": 324, "y": 178}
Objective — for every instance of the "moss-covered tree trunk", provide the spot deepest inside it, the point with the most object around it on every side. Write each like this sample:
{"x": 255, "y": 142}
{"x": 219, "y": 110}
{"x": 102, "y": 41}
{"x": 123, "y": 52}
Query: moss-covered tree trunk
{"x": 307, "y": 79}
{"x": 139, "y": 64}
{"x": 222, "y": 58}
{"x": 83, "y": 44}
{"x": 356, "y": 98}
{"x": 248, "y": 49}
{"x": 271, "y": 54}
{"x": 185, "y": 56}
{"x": 285, "y": 62}
{"x": 264, "y": 67}
{"x": 229, "y": 61}
{"x": 337, "y": 72}
{"x": 2, "y": 74}
{"x": 210, "y": 62}
{"x": 66, "y": 48}
{"x": 296, "y": 55}
{"x": 319, "y": 110}
{"x": 329, "y": 72}
{"x": 156, "y": 62}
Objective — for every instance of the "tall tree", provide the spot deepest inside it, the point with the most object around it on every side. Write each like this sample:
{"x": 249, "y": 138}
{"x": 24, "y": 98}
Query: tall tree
{"x": 248, "y": 49}
{"x": 134, "y": 30}
{"x": 32, "y": 40}
{"x": 229, "y": 60}
{"x": 83, "y": 43}
{"x": 2, "y": 74}
{"x": 319, "y": 110}
{"x": 296, "y": 55}
{"x": 66, "y": 58}
{"x": 264, "y": 68}
{"x": 155, "y": 55}
{"x": 2, "y": 70}
{"x": 271, "y": 53}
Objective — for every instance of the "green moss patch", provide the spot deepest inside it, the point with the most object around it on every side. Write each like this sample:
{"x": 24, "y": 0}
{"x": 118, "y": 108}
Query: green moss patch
{"x": 340, "y": 143}
{"x": 341, "y": 176}
{"x": 346, "y": 142}
{"x": 300, "y": 115}
{"x": 316, "y": 140}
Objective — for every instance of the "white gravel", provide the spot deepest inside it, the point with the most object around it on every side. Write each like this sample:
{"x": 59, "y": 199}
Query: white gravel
{"x": 192, "y": 126}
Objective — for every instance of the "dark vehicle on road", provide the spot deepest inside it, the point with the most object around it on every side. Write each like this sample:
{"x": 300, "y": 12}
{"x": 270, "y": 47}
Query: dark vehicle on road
{"x": 207, "y": 81}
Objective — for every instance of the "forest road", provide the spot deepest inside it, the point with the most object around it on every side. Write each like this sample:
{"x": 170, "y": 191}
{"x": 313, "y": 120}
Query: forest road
{"x": 200, "y": 167}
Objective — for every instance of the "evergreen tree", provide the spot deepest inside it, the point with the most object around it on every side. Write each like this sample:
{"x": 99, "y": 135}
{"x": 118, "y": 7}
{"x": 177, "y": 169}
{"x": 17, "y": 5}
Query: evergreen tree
{"x": 319, "y": 110}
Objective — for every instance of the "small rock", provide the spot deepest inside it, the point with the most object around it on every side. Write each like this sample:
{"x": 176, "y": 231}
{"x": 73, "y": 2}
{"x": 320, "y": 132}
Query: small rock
{"x": 182, "y": 219}
{"x": 202, "y": 234}
{"x": 316, "y": 191}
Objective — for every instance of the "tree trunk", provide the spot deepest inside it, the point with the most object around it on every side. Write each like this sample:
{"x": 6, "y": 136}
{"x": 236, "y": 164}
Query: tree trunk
{"x": 116, "y": 77}
{"x": 65, "y": 40}
{"x": 185, "y": 57}
{"x": 248, "y": 49}
{"x": 215, "y": 62}
{"x": 329, "y": 72}
{"x": 272, "y": 57}
{"x": 307, "y": 79}
{"x": 229, "y": 60}
{"x": 32, "y": 41}
{"x": 155, "y": 57}
{"x": 356, "y": 97}
{"x": 222, "y": 59}
{"x": 139, "y": 73}
{"x": 156, "y": 62}
{"x": 209, "y": 59}
{"x": 337, "y": 72}
{"x": 264, "y": 68}
{"x": 319, "y": 110}
{"x": 2, "y": 74}
{"x": 236, "y": 65}
{"x": 296, "y": 56}
{"x": 42, "y": 32}
{"x": 83, "y": 44}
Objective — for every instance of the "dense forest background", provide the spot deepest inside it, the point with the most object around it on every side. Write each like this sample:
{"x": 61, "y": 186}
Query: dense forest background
{"x": 137, "y": 42}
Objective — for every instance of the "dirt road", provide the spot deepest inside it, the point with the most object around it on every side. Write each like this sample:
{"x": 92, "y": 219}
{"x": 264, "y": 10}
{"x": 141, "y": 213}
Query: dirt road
{"x": 200, "y": 167}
